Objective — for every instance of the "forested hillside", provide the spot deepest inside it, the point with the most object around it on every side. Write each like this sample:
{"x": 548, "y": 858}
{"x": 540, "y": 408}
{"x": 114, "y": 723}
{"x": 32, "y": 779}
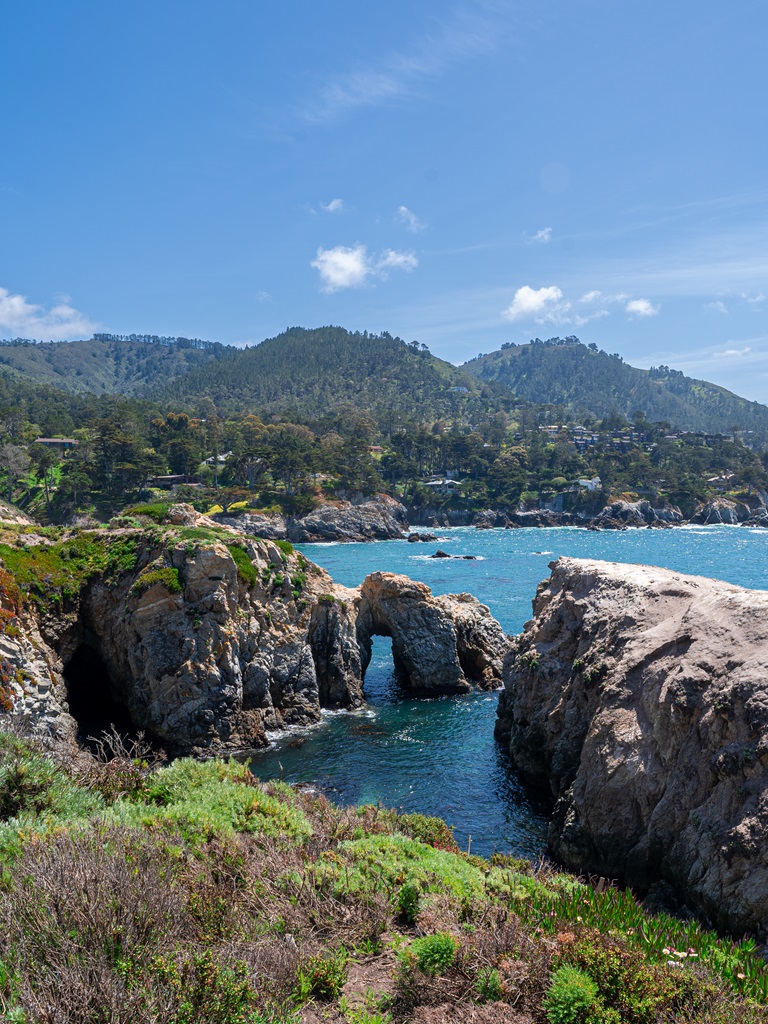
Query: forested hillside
{"x": 588, "y": 382}
{"x": 309, "y": 373}
{"x": 106, "y": 364}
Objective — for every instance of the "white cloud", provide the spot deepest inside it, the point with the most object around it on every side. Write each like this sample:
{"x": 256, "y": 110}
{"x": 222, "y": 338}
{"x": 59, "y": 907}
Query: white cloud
{"x": 544, "y": 305}
{"x": 733, "y": 353}
{"x": 641, "y": 307}
{"x": 592, "y": 296}
{"x": 755, "y": 299}
{"x": 391, "y": 258}
{"x": 542, "y": 237}
{"x": 411, "y": 221}
{"x": 352, "y": 266}
{"x": 22, "y": 319}
{"x": 335, "y": 206}
{"x": 716, "y": 307}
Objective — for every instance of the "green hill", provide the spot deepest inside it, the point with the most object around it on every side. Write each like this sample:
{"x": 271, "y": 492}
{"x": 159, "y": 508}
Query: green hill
{"x": 106, "y": 364}
{"x": 562, "y": 371}
{"x": 309, "y": 373}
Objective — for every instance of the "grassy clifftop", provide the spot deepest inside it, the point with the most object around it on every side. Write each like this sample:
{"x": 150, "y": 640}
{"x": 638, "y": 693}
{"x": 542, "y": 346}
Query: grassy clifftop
{"x": 190, "y": 892}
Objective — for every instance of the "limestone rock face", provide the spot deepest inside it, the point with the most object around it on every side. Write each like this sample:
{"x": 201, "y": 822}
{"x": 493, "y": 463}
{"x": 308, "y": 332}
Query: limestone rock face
{"x": 209, "y": 644}
{"x": 639, "y": 698}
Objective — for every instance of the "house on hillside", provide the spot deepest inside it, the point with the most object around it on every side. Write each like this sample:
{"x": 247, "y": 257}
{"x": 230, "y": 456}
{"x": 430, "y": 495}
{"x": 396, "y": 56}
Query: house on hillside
{"x": 61, "y": 444}
{"x": 444, "y": 486}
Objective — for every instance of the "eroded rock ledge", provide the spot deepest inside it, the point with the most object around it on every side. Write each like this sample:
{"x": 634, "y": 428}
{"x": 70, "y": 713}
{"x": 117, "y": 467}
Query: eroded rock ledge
{"x": 208, "y": 642}
{"x": 639, "y": 698}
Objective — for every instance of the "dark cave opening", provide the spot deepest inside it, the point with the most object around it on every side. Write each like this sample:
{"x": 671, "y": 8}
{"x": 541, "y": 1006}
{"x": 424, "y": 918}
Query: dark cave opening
{"x": 90, "y": 695}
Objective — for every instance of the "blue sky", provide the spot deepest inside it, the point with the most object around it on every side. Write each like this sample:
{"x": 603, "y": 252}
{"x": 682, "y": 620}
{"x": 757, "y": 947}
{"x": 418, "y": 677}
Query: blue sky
{"x": 460, "y": 174}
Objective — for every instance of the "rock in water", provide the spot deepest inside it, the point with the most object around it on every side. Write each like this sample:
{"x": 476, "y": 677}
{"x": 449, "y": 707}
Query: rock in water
{"x": 639, "y": 698}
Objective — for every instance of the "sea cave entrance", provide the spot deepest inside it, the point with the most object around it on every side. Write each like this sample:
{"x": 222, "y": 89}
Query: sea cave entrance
{"x": 91, "y": 698}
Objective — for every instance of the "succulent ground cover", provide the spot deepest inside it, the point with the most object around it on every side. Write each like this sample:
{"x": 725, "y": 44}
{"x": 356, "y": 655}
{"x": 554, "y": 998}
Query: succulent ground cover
{"x": 136, "y": 891}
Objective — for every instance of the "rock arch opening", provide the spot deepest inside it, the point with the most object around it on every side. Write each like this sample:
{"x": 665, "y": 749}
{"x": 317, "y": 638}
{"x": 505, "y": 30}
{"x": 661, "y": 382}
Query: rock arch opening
{"x": 91, "y": 698}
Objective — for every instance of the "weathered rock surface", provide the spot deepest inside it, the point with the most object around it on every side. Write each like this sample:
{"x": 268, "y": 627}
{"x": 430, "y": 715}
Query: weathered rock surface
{"x": 439, "y": 644}
{"x": 209, "y": 651}
{"x": 639, "y": 698}
{"x": 721, "y": 510}
{"x": 636, "y": 513}
{"x": 10, "y": 514}
{"x": 381, "y": 518}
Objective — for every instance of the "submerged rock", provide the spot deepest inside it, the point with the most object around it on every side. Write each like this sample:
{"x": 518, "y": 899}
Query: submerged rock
{"x": 639, "y": 698}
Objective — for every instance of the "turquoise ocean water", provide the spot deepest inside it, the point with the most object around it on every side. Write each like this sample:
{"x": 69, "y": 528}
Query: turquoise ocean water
{"x": 438, "y": 756}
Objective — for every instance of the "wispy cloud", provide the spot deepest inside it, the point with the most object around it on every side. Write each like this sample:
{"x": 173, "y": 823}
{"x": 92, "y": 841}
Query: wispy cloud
{"x": 733, "y": 353}
{"x": 474, "y": 29}
{"x": 334, "y": 206}
{"x": 541, "y": 237}
{"x": 19, "y": 318}
{"x": 412, "y": 222}
{"x": 716, "y": 307}
{"x": 353, "y": 266}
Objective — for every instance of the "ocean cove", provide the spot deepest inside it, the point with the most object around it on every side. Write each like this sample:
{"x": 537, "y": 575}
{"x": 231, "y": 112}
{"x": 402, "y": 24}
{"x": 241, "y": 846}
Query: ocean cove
{"x": 439, "y": 756}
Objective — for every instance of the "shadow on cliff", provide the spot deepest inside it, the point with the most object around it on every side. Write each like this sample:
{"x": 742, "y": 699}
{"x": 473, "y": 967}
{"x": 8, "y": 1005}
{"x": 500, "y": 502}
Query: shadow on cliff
{"x": 91, "y": 698}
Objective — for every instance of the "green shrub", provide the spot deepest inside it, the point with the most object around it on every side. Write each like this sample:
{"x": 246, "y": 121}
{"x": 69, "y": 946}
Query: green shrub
{"x": 156, "y": 511}
{"x": 408, "y": 900}
{"x": 245, "y": 567}
{"x": 36, "y": 796}
{"x": 488, "y": 988}
{"x": 430, "y": 830}
{"x": 572, "y": 997}
{"x": 285, "y": 546}
{"x": 167, "y": 576}
{"x": 209, "y": 798}
{"x": 323, "y": 976}
{"x": 433, "y": 954}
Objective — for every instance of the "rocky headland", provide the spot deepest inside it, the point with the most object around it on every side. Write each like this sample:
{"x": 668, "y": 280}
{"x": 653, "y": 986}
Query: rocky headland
{"x": 380, "y": 518}
{"x": 207, "y": 638}
{"x": 638, "y": 698}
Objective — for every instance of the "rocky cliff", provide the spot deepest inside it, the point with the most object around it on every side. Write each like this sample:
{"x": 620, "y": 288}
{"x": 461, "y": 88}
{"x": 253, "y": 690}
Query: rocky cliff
{"x": 639, "y": 698}
{"x": 381, "y": 518}
{"x": 208, "y": 639}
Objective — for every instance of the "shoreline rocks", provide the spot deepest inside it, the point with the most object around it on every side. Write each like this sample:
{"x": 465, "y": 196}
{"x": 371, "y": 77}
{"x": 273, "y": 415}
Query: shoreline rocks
{"x": 638, "y": 698}
{"x": 207, "y": 644}
{"x": 381, "y": 518}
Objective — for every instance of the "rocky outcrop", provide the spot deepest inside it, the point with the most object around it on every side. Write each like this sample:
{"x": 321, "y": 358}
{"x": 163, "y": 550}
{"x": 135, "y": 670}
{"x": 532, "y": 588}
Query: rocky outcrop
{"x": 209, "y": 644}
{"x": 620, "y": 514}
{"x": 10, "y": 514}
{"x": 639, "y": 698}
{"x": 721, "y": 510}
{"x": 381, "y": 518}
{"x": 439, "y": 644}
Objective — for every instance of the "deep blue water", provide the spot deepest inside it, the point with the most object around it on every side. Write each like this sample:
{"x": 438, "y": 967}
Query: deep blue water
{"x": 438, "y": 756}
